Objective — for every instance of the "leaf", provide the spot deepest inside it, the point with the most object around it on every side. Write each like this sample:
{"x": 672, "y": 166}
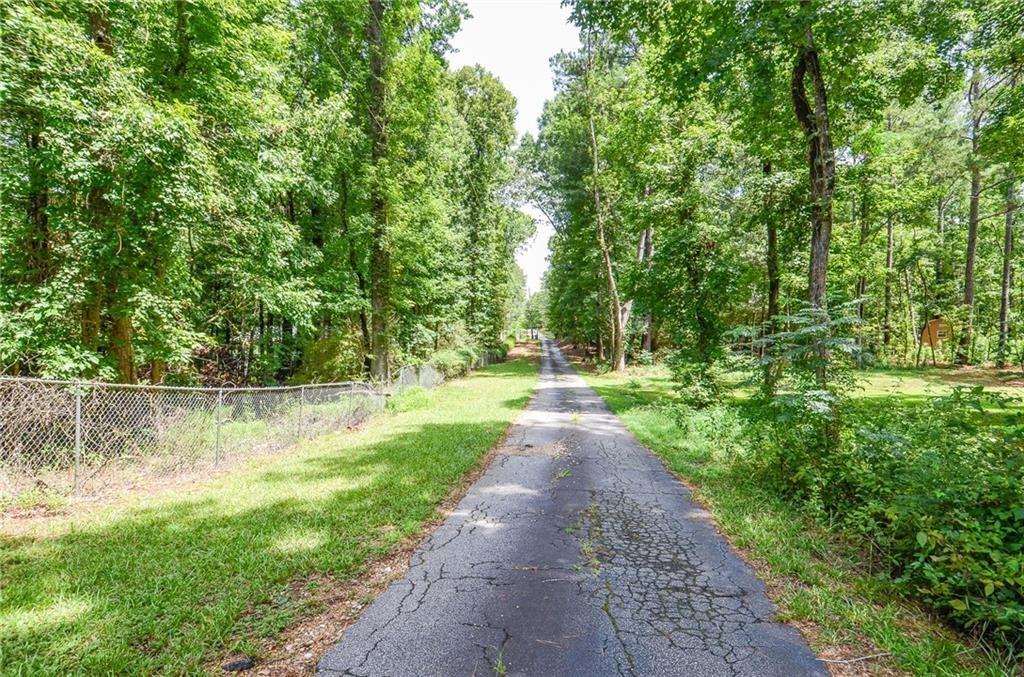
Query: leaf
{"x": 922, "y": 539}
{"x": 958, "y": 604}
{"x": 989, "y": 589}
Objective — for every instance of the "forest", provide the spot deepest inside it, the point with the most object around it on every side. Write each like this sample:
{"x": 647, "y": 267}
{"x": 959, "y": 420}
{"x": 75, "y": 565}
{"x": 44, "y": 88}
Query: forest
{"x": 249, "y": 191}
{"x": 776, "y": 201}
{"x": 858, "y": 156}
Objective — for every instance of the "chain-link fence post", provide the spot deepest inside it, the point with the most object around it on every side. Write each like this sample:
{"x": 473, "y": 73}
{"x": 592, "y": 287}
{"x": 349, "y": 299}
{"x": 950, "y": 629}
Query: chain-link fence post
{"x": 78, "y": 434}
{"x": 220, "y": 406}
{"x": 302, "y": 402}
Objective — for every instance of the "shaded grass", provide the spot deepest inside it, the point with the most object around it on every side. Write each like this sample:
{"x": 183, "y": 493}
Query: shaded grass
{"x": 815, "y": 576}
{"x": 161, "y": 584}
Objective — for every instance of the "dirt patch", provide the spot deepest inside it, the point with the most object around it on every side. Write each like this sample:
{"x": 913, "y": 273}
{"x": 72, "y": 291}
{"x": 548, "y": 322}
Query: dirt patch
{"x": 986, "y": 376}
{"x": 529, "y": 350}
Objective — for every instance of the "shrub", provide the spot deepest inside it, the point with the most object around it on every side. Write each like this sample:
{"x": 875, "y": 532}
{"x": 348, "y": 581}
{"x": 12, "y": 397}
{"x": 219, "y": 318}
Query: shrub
{"x": 454, "y": 362}
{"x": 697, "y": 382}
{"x": 937, "y": 490}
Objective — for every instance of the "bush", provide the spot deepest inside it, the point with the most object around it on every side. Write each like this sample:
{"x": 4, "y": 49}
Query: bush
{"x": 460, "y": 361}
{"x": 697, "y": 382}
{"x": 454, "y": 362}
{"x": 506, "y": 346}
{"x": 936, "y": 489}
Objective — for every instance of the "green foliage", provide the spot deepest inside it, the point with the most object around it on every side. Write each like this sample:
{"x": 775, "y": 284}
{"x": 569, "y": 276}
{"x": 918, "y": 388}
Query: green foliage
{"x": 410, "y": 399}
{"x": 456, "y": 362}
{"x": 336, "y": 358}
{"x": 188, "y": 180}
{"x": 697, "y": 381}
{"x": 936, "y": 490}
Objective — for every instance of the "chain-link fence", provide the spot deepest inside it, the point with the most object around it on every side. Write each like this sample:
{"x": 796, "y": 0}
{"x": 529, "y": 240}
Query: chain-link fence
{"x": 89, "y": 439}
{"x": 93, "y": 439}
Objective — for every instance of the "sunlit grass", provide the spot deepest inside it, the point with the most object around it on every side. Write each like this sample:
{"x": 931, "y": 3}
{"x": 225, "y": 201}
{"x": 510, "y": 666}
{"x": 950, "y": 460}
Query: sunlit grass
{"x": 162, "y": 583}
{"x": 816, "y": 576}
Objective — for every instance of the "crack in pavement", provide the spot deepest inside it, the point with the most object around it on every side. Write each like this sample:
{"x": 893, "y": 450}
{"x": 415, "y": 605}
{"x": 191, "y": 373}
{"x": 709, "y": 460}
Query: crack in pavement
{"x": 659, "y": 592}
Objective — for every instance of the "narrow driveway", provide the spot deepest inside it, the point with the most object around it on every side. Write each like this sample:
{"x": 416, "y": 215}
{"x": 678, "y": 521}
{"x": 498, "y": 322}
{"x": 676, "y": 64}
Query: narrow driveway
{"x": 576, "y": 553}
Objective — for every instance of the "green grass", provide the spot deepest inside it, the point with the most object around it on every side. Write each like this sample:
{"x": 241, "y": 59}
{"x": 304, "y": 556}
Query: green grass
{"x": 164, "y": 583}
{"x": 815, "y": 576}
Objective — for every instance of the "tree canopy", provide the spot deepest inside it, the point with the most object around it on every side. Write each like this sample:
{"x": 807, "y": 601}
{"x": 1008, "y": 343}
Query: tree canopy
{"x": 753, "y": 158}
{"x": 209, "y": 190}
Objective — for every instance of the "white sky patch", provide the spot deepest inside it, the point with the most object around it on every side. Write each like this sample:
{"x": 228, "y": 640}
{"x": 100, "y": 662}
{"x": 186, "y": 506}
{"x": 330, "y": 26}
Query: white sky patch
{"x": 515, "y": 39}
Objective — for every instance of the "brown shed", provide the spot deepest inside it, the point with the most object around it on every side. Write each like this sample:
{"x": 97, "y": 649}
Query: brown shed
{"x": 935, "y": 332}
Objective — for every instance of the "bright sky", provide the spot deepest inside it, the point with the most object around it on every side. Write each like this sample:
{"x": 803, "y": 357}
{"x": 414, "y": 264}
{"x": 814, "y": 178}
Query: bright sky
{"x": 514, "y": 39}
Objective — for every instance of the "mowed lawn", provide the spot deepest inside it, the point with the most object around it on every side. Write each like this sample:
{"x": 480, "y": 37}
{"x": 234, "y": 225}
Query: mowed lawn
{"x": 165, "y": 583}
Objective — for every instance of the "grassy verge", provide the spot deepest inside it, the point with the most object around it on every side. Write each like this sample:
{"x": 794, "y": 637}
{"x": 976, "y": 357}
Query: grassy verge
{"x": 165, "y": 583}
{"x": 819, "y": 581}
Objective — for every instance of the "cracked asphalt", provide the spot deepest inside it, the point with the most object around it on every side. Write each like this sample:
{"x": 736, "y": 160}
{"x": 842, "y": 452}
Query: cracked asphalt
{"x": 575, "y": 553}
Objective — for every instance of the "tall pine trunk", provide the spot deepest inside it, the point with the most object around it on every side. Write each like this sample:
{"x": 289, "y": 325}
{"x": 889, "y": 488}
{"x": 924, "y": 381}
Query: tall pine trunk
{"x": 380, "y": 255}
{"x": 1004, "y": 297}
{"x": 615, "y": 311}
{"x": 963, "y": 351}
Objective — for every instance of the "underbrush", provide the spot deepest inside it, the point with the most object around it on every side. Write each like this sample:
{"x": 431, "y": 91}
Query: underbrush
{"x": 460, "y": 361}
{"x": 936, "y": 491}
{"x": 922, "y": 502}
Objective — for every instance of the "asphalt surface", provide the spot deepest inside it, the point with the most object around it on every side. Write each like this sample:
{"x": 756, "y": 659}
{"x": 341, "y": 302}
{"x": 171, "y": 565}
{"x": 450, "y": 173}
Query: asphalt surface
{"x": 576, "y": 553}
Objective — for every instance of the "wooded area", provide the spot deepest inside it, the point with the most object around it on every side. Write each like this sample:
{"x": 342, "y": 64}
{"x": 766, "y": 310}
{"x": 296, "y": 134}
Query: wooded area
{"x": 709, "y": 166}
{"x": 248, "y": 191}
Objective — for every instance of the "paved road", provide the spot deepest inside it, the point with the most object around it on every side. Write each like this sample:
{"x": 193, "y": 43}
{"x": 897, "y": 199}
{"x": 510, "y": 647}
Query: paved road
{"x": 575, "y": 553}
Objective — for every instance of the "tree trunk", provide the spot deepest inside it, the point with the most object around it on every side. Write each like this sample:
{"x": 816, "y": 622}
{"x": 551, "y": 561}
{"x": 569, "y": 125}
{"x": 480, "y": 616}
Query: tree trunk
{"x": 1004, "y": 297}
{"x": 889, "y": 264}
{"x": 99, "y": 30}
{"x": 121, "y": 337}
{"x": 157, "y": 371}
{"x": 820, "y": 160}
{"x": 963, "y": 351}
{"x": 380, "y": 254}
{"x": 940, "y": 227}
{"x": 772, "y": 269}
{"x": 618, "y": 347}
{"x": 648, "y": 318}
{"x": 91, "y": 309}
{"x": 641, "y": 252}
{"x": 911, "y": 315}
{"x": 183, "y": 43}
